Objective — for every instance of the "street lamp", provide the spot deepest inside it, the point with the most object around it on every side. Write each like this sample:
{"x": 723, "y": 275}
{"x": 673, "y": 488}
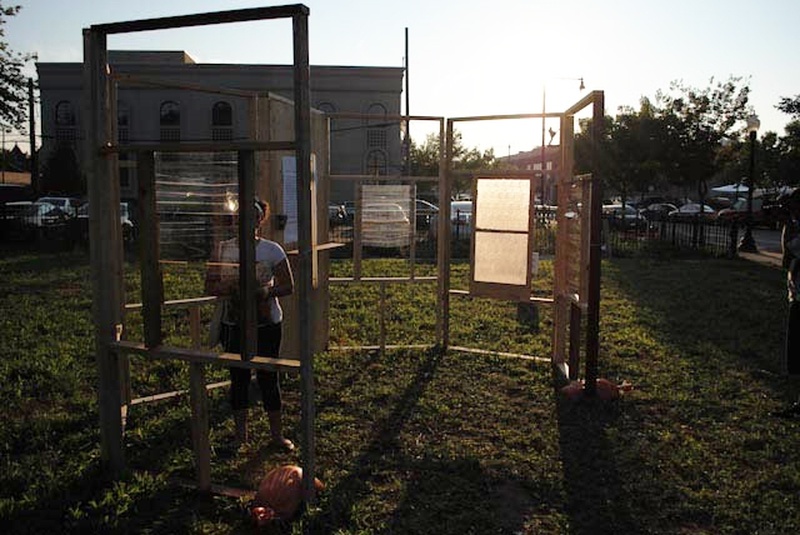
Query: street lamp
{"x": 748, "y": 244}
{"x": 544, "y": 108}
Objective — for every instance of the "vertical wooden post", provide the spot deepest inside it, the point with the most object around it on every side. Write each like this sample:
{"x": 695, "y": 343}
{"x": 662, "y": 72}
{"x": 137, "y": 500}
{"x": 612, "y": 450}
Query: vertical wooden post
{"x": 149, "y": 250}
{"x": 560, "y": 283}
{"x": 105, "y": 239}
{"x": 382, "y": 317}
{"x": 412, "y": 250}
{"x": 357, "y": 231}
{"x": 302, "y": 109}
{"x": 247, "y": 253}
{"x": 574, "y": 340}
{"x": 593, "y": 299}
{"x": 443, "y": 232}
{"x": 198, "y": 398}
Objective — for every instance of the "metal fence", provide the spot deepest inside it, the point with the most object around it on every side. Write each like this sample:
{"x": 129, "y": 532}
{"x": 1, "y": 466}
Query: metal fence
{"x": 704, "y": 236}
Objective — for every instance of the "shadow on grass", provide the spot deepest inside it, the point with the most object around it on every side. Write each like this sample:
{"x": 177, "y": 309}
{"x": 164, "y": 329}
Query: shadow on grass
{"x": 595, "y": 499}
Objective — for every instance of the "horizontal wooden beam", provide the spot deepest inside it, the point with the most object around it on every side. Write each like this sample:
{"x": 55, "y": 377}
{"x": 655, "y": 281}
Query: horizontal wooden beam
{"x": 376, "y": 348}
{"x": 382, "y": 117}
{"x": 533, "y": 299}
{"x": 384, "y": 178}
{"x": 199, "y": 146}
{"x": 394, "y": 280}
{"x": 174, "y": 393}
{"x": 208, "y": 299}
{"x": 202, "y": 19}
{"x": 230, "y": 360}
{"x": 553, "y": 115}
{"x": 498, "y": 353}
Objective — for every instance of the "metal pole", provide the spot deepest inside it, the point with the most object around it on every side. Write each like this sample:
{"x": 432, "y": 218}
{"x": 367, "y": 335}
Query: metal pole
{"x": 748, "y": 244}
{"x": 541, "y": 194}
{"x": 408, "y": 114}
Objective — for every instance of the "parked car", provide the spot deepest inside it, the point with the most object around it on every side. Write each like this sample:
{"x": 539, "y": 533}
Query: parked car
{"x": 657, "y": 211}
{"x": 68, "y": 205}
{"x": 337, "y": 215}
{"x": 42, "y": 214}
{"x": 128, "y": 228}
{"x": 425, "y": 213}
{"x": 691, "y": 210}
{"x": 460, "y": 221}
{"x": 385, "y": 225}
{"x": 764, "y": 213}
{"x": 627, "y": 218}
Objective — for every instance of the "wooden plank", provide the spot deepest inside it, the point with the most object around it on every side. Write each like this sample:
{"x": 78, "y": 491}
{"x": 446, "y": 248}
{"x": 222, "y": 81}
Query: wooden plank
{"x": 382, "y": 318}
{"x": 205, "y": 300}
{"x": 393, "y": 179}
{"x": 105, "y": 246}
{"x": 376, "y": 348}
{"x": 388, "y": 280}
{"x": 302, "y": 123}
{"x": 574, "y": 340}
{"x": 247, "y": 253}
{"x": 463, "y": 349}
{"x": 198, "y": 399}
{"x": 149, "y": 251}
{"x": 202, "y": 19}
{"x": 548, "y": 115}
{"x": 175, "y": 393}
{"x": 233, "y": 360}
{"x": 198, "y": 146}
{"x": 387, "y": 117}
{"x": 443, "y": 235}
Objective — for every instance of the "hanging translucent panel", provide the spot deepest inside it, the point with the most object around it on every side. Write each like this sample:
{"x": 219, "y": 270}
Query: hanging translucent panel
{"x": 501, "y": 258}
{"x": 385, "y": 218}
{"x": 503, "y": 204}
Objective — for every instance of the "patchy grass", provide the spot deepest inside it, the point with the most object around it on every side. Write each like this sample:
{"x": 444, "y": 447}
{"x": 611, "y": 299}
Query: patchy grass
{"x": 418, "y": 442}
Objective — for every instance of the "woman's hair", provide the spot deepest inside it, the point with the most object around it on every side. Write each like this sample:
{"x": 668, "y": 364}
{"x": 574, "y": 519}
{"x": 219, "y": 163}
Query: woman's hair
{"x": 262, "y": 209}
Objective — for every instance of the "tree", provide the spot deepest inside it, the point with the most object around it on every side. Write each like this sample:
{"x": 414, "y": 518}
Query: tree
{"x": 13, "y": 84}
{"x": 62, "y": 173}
{"x": 696, "y": 121}
{"x": 425, "y": 160}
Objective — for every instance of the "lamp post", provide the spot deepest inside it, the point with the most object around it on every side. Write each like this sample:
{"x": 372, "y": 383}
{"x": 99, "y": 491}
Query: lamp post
{"x": 544, "y": 108}
{"x": 748, "y": 244}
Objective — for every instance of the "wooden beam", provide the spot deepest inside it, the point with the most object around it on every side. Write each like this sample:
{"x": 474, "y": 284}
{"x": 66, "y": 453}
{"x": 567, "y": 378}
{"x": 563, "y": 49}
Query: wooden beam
{"x": 198, "y": 146}
{"x": 149, "y": 253}
{"x": 443, "y": 235}
{"x": 228, "y": 360}
{"x": 202, "y": 19}
{"x": 302, "y": 131}
{"x": 247, "y": 254}
{"x": 105, "y": 246}
{"x": 198, "y": 399}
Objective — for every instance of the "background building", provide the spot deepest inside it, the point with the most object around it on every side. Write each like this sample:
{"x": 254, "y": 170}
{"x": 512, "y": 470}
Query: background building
{"x": 163, "y": 113}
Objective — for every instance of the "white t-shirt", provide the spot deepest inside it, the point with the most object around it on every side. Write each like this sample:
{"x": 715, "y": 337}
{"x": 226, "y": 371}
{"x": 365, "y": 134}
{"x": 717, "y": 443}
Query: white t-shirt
{"x": 268, "y": 255}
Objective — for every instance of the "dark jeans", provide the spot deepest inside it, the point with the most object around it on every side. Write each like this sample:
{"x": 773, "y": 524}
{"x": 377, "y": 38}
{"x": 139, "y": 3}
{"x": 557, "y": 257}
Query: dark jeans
{"x": 269, "y": 344}
{"x": 793, "y": 339}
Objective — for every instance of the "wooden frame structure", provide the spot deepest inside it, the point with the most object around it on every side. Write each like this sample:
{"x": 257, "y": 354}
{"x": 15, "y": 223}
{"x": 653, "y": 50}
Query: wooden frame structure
{"x": 576, "y": 292}
{"x": 576, "y": 285}
{"x": 101, "y": 155}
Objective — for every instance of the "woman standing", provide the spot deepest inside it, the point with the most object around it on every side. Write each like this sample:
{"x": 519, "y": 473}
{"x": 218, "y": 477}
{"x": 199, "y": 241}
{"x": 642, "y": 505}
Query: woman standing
{"x": 790, "y": 240}
{"x": 274, "y": 280}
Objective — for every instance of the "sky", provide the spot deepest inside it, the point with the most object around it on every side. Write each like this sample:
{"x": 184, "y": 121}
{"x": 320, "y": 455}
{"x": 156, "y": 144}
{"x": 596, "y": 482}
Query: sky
{"x": 475, "y": 57}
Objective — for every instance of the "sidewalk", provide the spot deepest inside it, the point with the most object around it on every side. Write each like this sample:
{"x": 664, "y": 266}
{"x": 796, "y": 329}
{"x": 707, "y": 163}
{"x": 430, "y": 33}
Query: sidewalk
{"x": 764, "y": 257}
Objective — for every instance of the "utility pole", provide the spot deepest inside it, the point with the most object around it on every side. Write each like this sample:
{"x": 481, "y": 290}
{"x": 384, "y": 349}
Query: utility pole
{"x": 32, "y": 138}
{"x": 408, "y": 114}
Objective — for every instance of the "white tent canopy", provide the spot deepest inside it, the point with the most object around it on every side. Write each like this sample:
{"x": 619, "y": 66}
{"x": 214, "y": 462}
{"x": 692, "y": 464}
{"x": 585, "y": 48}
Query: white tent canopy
{"x": 731, "y": 189}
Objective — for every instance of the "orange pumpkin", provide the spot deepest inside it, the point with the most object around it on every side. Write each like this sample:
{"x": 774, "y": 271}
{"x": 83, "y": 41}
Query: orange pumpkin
{"x": 280, "y": 493}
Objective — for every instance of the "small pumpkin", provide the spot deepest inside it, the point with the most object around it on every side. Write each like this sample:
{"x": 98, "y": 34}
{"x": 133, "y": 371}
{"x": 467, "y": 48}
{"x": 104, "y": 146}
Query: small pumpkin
{"x": 280, "y": 494}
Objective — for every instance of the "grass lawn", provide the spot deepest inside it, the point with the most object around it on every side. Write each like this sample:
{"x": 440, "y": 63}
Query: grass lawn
{"x": 417, "y": 442}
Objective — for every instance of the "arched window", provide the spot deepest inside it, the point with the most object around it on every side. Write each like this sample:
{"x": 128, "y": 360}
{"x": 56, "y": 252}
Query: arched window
{"x": 66, "y": 130}
{"x": 65, "y": 114}
{"x": 170, "y": 121}
{"x": 221, "y": 121}
{"x": 123, "y": 121}
{"x": 376, "y": 162}
{"x": 376, "y": 127}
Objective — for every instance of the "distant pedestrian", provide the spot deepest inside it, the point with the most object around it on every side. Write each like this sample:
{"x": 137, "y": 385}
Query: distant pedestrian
{"x": 790, "y": 241}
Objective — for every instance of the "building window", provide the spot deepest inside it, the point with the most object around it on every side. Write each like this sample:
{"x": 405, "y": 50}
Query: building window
{"x": 376, "y": 127}
{"x": 376, "y": 162}
{"x": 221, "y": 122}
{"x": 170, "y": 121}
{"x": 123, "y": 122}
{"x": 66, "y": 130}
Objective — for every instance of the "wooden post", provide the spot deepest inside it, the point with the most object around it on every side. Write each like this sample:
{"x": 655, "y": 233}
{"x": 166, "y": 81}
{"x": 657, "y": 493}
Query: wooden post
{"x": 593, "y": 299}
{"x": 443, "y": 243}
{"x": 574, "y": 340}
{"x": 198, "y": 398}
{"x": 302, "y": 109}
{"x": 149, "y": 250}
{"x": 412, "y": 249}
{"x": 357, "y": 232}
{"x": 382, "y": 317}
{"x": 105, "y": 239}
{"x": 247, "y": 253}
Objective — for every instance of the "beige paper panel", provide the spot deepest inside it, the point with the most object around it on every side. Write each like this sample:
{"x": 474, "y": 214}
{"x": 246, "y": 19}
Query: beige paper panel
{"x": 501, "y": 258}
{"x": 503, "y": 204}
